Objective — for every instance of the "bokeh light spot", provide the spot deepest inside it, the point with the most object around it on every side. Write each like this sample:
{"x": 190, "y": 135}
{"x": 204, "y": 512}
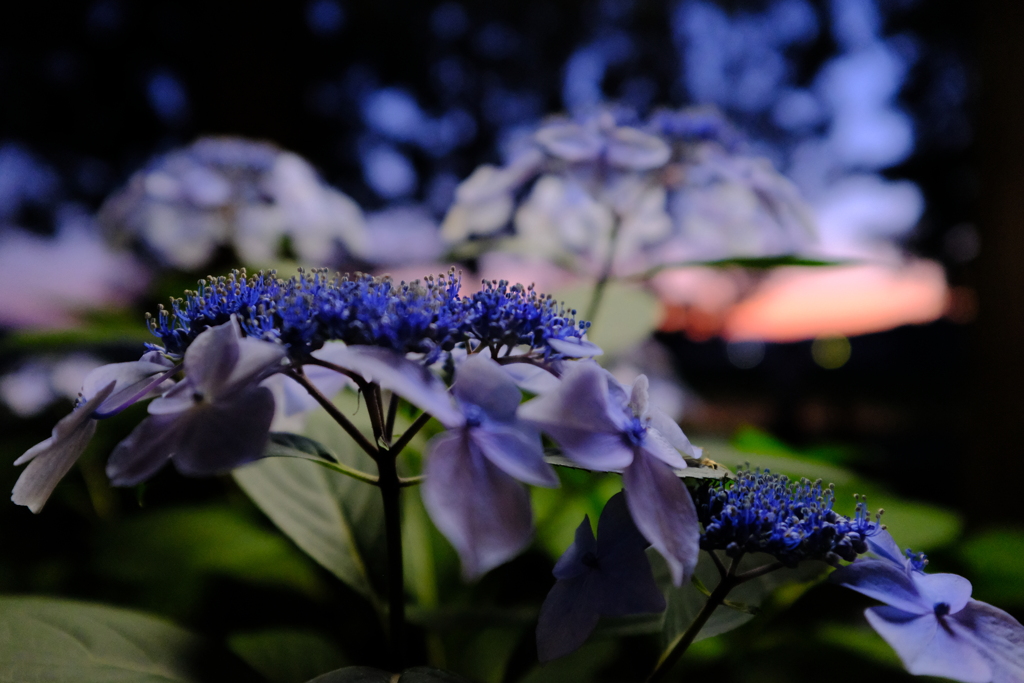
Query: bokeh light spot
{"x": 831, "y": 353}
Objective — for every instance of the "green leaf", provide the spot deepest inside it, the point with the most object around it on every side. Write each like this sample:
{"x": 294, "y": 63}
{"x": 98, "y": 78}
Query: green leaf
{"x": 694, "y": 469}
{"x": 354, "y": 674}
{"x": 426, "y": 674}
{"x": 334, "y": 518}
{"x": 921, "y": 526}
{"x": 581, "y": 665}
{"x": 170, "y": 552}
{"x": 766, "y": 452}
{"x": 996, "y": 561}
{"x": 753, "y": 262}
{"x": 628, "y": 314}
{"x": 686, "y": 601}
{"x": 99, "y": 328}
{"x": 287, "y": 655}
{"x": 286, "y": 445}
{"x": 327, "y": 514}
{"x": 861, "y": 640}
{"x": 557, "y": 512}
{"x": 45, "y": 640}
{"x": 365, "y": 674}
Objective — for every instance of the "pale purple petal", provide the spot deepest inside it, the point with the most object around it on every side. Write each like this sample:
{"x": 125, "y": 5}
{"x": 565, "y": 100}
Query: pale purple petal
{"x": 122, "y": 374}
{"x": 640, "y": 396}
{"x": 950, "y": 589}
{"x": 179, "y": 398}
{"x": 600, "y": 452}
{"x": 627, "y": 582}
{"x": 570, "y": 564}
{"x": 226, "y": 434}
{"x": 636, "y": 150}
{"x": 129, "y": 394}
{"x": 516, "y": 451}
{"x": 567, "y": 618}
{"x": 672, "y": 432}
{"x": 617, "y": 535}
{"x": 997, "y": 636}
{"x": 884, "y": 546}
{"x": 158, "y": 358}
{"x": 145, "y": 450}
{"x": 573, "y": 348}
{"x": 256, "y": 358}
{"x": 570, "y": 141}
{"x": 70, "y": 424}
{"x": 531, "y": 378}
{"x": 50, "y": 461}
{"x": 409, "y": 380}
{"x": 610, "y": 577}
{"x": 655, "y": 445}
{"x": 482, "y": 382}
{"x": 482, "y": 511}
{"x": 664, "y": 513}
{"x": 927, "y": 648}
{"x": 212, "y": 356}
{"x": 882, "y": 580}
{"x": 580, "y": 403}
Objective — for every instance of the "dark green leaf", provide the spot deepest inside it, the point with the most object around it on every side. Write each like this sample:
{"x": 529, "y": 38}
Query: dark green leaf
{"x": 51, "y": 641}
{"x": 686, "y": 601}
{"x": 753, "y": 262}
{"x": 320, "y": 510}
{"x": 694, "y": 469}
{"x": 286, "y": 445}
{"x": 354, "y": 674}
{"x": 170, "y": 552}
{"x": 99, "y": 328}
{"x": 581, "y": 665}
{"x": 287, "y": 655}
{"x": 365, "y": 674}
{"x": 996, "y": 560}
{"x": 426, "y": 674}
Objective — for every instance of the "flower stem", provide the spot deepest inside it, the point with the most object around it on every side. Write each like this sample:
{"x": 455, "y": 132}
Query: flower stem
{"x": 606, "y": 274}
{"x": 333, "y": 411}
{"x": 390, "y": 487}
{"x": 676, "y": 649}
{"x": 730, "y": 579}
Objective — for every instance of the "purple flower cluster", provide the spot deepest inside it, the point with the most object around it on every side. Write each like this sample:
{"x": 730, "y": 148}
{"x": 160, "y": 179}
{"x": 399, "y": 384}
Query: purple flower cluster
{"x": 427, "y": 317}
{"x": 215, "y": 419}
{"x": 234, "y": 332}
{"x": 793, "y": 521}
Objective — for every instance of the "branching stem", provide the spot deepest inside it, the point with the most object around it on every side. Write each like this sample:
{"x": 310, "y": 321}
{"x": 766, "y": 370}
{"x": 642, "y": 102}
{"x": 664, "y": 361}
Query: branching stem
{"x": 606, "y": 274}
{"x": 730, "y": 579}
{"x": 333, "y": 411}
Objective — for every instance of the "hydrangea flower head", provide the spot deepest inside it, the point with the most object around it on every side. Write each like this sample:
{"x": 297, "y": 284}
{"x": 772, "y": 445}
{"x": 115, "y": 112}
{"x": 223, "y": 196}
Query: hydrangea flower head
{"x": 224, "y": 191}
{"x": 793, "y": 521}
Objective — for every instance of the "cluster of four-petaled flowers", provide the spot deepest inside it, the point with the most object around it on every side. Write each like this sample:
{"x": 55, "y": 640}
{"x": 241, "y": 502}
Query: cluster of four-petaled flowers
{"x": 219, "y": 416}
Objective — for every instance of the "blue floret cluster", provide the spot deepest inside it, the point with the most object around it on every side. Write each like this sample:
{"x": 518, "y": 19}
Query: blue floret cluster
{"x": 793, "y": 521}
{"x": 425, "y": 316}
